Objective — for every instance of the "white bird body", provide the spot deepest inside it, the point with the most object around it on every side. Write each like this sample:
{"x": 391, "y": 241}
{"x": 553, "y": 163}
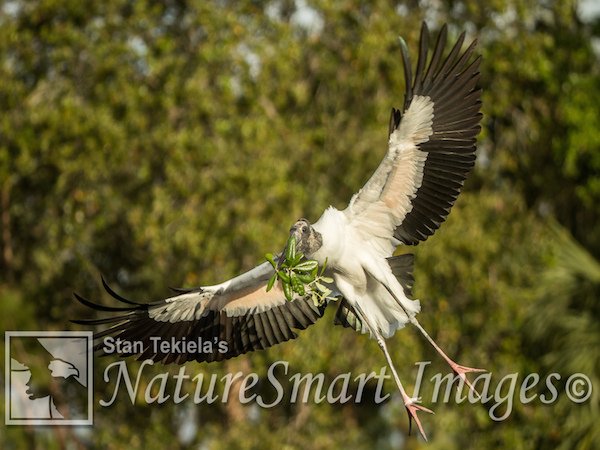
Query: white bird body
{"x": 431, "y": 149}
{"x": 358, "y": 264}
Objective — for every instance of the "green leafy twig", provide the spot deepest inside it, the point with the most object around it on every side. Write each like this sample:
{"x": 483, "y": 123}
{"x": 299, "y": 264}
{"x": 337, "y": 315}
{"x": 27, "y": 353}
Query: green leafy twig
{"x": 297, "y": 275}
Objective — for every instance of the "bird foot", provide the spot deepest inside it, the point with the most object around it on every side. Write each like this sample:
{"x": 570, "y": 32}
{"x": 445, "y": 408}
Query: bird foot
{"x": 412, "y": 408}
{"x": 461, "y": 371}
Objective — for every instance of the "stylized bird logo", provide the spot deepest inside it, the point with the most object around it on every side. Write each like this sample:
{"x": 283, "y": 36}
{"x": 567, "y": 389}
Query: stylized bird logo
{"x": 50, "y": 378}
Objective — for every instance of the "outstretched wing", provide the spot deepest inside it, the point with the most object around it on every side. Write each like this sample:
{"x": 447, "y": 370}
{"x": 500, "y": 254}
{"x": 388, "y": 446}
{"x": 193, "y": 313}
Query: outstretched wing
{"x": 221, "y": 321}
{"x": 431, "y": 147}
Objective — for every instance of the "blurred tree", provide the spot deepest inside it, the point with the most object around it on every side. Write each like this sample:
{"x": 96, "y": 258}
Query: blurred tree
{"x": 562, "y": 328}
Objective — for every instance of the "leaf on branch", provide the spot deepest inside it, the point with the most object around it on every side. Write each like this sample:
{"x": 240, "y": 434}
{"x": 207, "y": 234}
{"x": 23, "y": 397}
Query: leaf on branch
{"x": 270, "y": 258}
{"x": 290, "y": 251}
{"x": 272, "y": 282}
{"x": 288, "y": 291}
{"x": 307, "y": 266}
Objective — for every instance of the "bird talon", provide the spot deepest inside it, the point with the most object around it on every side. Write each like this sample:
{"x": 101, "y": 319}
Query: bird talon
{"x": 412, "y": 407}
{"x": 461, "y": 372}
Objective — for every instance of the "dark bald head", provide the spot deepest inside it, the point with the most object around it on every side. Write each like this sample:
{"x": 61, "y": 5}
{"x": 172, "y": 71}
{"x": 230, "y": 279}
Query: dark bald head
{"x": 307, "y": 239}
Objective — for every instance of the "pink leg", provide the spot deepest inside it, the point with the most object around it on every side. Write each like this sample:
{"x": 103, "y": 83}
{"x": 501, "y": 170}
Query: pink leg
{"x": 410, "y": 403}
{"x": 458, "y": 369}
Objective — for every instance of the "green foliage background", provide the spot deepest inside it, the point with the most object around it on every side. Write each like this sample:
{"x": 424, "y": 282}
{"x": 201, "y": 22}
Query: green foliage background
{"x": 174, "y": 142}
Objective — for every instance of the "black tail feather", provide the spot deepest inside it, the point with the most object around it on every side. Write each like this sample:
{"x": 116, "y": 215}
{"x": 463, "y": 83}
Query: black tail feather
{"x": 117, "y": 296}
{"x": 100, "y": 307}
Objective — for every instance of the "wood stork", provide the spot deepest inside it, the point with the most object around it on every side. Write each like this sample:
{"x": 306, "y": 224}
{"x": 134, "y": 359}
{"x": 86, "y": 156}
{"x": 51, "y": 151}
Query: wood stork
{"x": 431, "y": 149}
